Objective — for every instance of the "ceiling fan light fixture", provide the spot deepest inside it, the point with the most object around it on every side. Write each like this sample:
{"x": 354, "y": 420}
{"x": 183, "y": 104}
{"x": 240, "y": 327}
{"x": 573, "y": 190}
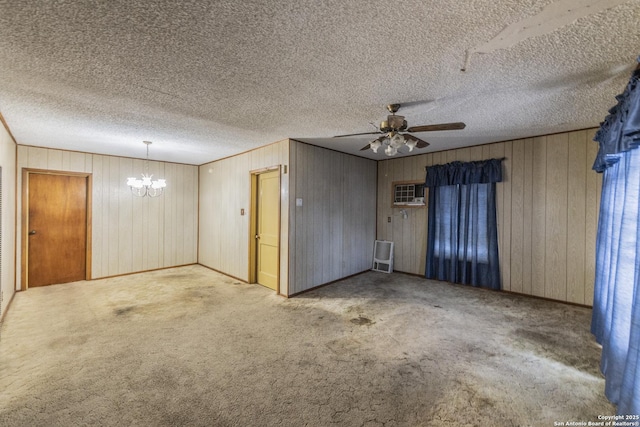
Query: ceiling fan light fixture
{"x": 411, "y": 143}
{"x": 375, "y": 145}
{"x": 392, "y": 139}
{"x": 397, "y": 140}
{"x": 390, "y": 150}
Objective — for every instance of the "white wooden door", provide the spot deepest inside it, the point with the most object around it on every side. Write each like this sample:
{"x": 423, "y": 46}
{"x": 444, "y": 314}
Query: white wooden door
{"x": 268, "y": 229}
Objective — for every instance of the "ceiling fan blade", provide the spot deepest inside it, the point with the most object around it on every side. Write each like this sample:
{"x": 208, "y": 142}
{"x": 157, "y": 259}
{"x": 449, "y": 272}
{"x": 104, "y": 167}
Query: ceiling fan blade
{"x": 422, "y": 144}
{"x": 441, "y": 126}
{"x": 419, "y": 143}
{"x": 356, "y": 134}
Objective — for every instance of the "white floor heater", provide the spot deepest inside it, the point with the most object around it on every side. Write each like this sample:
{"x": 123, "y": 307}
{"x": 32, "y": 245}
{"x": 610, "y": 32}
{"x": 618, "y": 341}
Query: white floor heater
{"x": 383, "y": 256}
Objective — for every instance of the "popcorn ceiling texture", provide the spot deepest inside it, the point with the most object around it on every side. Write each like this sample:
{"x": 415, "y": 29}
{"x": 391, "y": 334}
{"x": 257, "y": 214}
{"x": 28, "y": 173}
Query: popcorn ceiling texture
{"x": 204, "y": 80}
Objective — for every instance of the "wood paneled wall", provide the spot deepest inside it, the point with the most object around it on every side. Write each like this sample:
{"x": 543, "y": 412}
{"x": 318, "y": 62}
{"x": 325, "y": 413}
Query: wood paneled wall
{"x": 225, "y": 189}
{"x": 7, "y": 254}
{"x": 129, "y": 233}
{"x": 547, "y": 207}
{"x": 333, "y": 232}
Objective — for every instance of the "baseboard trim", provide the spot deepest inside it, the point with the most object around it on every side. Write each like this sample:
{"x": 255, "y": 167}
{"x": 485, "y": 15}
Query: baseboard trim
{"x": 6, "y": 309}
{"x": 328, "y": 283}
{"x": 223, "y": 273}
{"x": 142, "y": 271}
{"x": 575, "y": 304}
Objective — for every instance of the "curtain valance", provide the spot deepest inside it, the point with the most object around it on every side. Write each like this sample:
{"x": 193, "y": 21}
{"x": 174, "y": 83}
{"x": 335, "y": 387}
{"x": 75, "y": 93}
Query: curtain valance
{"x": 464, "y": 173}
{"x": 620, "y": 130}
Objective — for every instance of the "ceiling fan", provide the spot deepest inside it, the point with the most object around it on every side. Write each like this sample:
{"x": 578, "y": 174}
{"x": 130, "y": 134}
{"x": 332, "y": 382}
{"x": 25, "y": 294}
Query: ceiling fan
{"x": 392, "y": 138}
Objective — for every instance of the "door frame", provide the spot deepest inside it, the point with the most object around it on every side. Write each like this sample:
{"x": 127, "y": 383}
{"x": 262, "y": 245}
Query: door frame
{"x": 253, "y": 224}
{"x": 24, "y": 259}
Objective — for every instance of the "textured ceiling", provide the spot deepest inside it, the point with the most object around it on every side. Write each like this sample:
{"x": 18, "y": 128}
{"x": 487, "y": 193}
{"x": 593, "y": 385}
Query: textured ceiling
{"x": 207, "y": 79}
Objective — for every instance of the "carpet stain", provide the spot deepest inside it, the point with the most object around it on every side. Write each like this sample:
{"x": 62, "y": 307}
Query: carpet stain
{"x": 361, "y": 321}
{"x": 202, "y": 295}
{"x": 124, "y": 310}
{"x": 354, "y": 308}
{"x": 73, "y": 340}
{"x": 345, "y": 345}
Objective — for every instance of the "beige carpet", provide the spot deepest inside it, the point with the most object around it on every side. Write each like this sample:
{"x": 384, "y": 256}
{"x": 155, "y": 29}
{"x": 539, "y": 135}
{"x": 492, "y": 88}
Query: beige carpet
{"x": 190, "y": 347}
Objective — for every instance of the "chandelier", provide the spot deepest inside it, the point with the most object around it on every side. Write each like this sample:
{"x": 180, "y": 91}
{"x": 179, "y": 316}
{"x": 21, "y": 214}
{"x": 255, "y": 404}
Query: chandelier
{"x": 146, "y": 186}
{"x": 392, "y": 141}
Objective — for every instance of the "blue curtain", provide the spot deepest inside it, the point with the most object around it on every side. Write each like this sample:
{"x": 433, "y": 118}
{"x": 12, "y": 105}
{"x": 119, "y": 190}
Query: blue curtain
{"x": 462, "y": 237}
{"x": 616, "y": 306}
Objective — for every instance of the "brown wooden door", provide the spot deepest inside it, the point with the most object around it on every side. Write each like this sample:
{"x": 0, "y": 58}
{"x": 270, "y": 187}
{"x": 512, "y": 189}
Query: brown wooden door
{"x": 57, "y": 229}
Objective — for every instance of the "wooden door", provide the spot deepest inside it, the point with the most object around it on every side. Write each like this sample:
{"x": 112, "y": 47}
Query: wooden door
{"x": 57, "y": 224}
{"x": 268, "y": 229}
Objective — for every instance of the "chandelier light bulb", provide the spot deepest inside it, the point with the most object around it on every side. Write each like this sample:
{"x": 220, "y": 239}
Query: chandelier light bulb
{"x": 160, "y": 183}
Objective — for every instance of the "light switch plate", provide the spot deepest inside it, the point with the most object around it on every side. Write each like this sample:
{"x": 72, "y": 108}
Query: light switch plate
{"x": 299, "y": 201}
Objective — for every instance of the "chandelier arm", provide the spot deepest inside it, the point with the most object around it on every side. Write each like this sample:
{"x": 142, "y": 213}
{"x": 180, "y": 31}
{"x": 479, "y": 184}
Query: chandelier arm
{"x": 154, "y": 192}
{"x": 138, "y": 191}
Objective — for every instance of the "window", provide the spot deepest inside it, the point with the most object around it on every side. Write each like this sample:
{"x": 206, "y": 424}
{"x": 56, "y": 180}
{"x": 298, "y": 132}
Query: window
{"x": 461, "y": 223}
{"x": 462, "y": 236}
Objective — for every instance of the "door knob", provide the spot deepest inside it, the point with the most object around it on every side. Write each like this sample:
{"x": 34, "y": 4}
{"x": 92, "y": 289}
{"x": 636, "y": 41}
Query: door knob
{"x": 32, "y": 232}
{"x": 257, "y": 236}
